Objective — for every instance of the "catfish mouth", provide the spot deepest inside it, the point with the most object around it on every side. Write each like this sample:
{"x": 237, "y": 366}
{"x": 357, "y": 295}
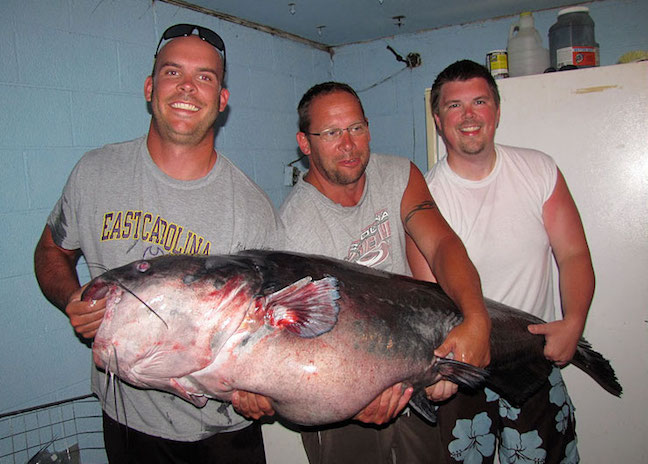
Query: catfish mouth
{"x": 100, "y": 287}
{"x": 102, "y": 347}
{"x": 97, "y": 289}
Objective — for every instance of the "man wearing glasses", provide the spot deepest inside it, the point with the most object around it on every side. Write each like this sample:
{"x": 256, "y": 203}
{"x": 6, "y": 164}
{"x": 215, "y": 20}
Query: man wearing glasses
{"x": 364, "y": 207}
{"x": 167, "y": 192}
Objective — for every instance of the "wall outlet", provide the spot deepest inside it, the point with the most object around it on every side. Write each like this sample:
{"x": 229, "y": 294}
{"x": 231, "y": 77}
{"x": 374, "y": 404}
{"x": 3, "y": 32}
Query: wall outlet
{"x": 296, "y": 175}
{"x": 291, "y": 175}
{"x": 288, "y": 176}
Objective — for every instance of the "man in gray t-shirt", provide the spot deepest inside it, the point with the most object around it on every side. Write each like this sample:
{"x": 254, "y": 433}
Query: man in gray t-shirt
{"x": 364, "y": 207}
{"x": 167, "y": 193}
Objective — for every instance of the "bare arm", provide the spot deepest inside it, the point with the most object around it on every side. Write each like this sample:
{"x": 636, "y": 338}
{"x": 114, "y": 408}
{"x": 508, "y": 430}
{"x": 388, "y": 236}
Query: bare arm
{"x": 448, "y": 261}
{"x": 55, "y": 269}
{"x": 576, "y": 275}
{"x": 417, "y": 263}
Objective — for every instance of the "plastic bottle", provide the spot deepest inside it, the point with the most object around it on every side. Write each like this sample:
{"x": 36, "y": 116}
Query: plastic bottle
{"x": 571, "y": 39}
{"x": 526, "y": 55}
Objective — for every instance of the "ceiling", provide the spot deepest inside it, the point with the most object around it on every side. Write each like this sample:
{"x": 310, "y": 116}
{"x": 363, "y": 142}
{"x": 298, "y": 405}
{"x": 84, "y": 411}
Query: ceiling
{"x": 340, "y": 22}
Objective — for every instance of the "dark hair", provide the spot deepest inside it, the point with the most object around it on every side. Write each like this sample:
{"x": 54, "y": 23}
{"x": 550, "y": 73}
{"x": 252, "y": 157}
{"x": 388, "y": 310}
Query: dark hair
{"x": 325, "y": 88}
{"x": 462, "y": 71}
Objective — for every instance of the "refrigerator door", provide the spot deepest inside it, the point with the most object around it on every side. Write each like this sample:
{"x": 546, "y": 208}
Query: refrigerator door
{"x": 594, "y": 123}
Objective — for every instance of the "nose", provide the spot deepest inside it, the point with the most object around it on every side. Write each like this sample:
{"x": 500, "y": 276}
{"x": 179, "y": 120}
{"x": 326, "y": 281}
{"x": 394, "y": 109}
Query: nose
{"x": 346, "y": 140}
{"x": 186, "y": 84}
{"x": 469, "y": 111}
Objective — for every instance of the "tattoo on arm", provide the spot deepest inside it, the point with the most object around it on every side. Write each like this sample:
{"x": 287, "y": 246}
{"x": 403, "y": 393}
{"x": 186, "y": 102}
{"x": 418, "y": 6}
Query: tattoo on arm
{"x": 420, "y": 207}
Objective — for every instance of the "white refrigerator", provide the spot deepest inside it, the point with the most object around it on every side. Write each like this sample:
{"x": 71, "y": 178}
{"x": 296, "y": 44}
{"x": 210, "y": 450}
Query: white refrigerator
{"x": 594, "y": 123}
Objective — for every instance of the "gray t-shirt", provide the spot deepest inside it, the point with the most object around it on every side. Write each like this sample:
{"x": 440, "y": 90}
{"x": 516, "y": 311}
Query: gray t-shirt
{"x": 370, "y": 233}
{"x": 118, "y": 207}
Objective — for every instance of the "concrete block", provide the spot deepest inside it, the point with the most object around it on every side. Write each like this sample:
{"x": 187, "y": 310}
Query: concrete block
{"x": 47, "y": 173}
{"x": 41, "y": 117}
{"x": 99, "y": 119}
{"x": 13, "y": 183}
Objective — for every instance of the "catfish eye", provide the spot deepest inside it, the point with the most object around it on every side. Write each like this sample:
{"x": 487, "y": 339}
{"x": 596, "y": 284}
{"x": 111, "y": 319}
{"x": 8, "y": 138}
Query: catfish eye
{"x": 143, "y": 266}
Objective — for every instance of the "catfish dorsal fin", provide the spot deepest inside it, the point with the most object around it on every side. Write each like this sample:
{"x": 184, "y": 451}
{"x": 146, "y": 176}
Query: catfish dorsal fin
{"x": 306, "y": 308}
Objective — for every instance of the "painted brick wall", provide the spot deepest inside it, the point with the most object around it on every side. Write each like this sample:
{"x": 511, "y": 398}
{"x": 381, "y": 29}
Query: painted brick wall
{"x": 72, "y": 79}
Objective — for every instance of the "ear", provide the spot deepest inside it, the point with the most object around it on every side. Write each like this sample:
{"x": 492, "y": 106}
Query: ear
{"x": 437, "y": 123}
{"x": 148, "y": 88}
{"x": 224, "y": 98}
{"x": 498, "y": 117}
{"x": 304, "y": 143}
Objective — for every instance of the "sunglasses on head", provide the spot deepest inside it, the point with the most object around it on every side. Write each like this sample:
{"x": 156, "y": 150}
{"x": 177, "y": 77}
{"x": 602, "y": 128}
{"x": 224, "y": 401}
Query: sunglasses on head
{"x": 184, "y": 30}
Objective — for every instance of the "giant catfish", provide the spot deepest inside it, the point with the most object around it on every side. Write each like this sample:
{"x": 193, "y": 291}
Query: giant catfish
{"x": 320, "y": 337}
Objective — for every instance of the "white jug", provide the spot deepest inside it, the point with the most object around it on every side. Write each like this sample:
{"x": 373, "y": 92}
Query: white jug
{"x": 526, "y": 55}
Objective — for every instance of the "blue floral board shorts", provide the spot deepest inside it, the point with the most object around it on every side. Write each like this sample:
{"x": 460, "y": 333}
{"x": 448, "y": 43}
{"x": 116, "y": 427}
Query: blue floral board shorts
{"x": 542, "y": 431}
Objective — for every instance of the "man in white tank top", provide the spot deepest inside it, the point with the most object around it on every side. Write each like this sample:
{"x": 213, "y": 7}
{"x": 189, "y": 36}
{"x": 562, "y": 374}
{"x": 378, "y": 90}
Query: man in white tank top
{"x": 513, "y": 211}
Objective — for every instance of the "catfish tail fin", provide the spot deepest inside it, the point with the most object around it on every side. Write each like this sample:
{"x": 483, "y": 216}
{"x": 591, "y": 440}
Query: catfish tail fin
{"x": 597, "y": 367}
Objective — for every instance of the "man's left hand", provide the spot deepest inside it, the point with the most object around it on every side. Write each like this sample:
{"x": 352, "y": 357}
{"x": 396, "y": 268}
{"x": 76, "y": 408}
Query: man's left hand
{"x": 561, "y": 339}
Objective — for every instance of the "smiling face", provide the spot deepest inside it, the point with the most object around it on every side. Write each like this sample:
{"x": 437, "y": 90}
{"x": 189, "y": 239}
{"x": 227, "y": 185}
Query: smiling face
{"x": 185, "y": 91}
{"x": 468, "y": 117}
{"x": 339, "y": 162}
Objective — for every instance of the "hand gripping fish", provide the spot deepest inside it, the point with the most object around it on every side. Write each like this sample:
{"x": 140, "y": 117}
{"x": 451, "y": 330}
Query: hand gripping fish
{"x": 318, "y": 336}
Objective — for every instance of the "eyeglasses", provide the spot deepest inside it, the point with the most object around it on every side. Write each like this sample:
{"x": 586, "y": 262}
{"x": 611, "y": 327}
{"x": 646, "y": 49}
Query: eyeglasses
{"x": 354, "y": 130}
{"x": 180, "y": 30}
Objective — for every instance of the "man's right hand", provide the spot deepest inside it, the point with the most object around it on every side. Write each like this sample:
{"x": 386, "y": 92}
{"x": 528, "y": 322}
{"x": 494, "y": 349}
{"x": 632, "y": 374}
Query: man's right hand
{"x": 85, "y": 316}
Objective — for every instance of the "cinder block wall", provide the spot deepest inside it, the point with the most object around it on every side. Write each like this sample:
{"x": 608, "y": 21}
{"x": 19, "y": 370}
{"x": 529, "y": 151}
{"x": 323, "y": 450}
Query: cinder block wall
{"x": 72, "y": 79}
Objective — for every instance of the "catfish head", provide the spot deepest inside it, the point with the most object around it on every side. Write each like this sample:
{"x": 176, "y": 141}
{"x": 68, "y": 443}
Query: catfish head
{"x": 168, "y": 317}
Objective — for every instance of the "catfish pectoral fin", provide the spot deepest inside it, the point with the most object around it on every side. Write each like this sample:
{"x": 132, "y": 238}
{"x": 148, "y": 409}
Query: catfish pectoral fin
{"x": 306, "y": 308}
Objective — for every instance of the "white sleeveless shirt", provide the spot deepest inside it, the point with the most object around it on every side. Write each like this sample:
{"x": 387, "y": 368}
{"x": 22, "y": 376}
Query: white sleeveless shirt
{"x": 499, "y": 219}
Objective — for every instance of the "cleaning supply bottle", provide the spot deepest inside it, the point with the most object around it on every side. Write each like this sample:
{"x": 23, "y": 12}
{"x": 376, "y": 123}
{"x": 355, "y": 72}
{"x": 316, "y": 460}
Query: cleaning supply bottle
{"x": 526, "y": 55}
{"x": 571, "y": 39}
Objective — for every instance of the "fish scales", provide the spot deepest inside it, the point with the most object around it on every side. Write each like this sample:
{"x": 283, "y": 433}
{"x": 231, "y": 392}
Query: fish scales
{"x": 318, "y": 336}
